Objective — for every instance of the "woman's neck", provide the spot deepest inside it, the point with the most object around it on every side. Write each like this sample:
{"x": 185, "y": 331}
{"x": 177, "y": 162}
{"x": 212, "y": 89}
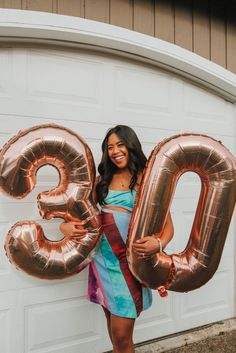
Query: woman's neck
{"x": 121, "y": 179}
{"x": 123, "y": 172}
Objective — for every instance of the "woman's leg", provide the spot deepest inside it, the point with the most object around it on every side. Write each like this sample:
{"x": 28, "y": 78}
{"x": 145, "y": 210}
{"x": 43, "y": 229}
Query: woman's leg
{"x": 122, "y": 334}
{"x": 108, "y": 317}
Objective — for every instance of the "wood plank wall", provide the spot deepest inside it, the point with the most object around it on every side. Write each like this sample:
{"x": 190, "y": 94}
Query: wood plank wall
{"x": 206, "y": 27}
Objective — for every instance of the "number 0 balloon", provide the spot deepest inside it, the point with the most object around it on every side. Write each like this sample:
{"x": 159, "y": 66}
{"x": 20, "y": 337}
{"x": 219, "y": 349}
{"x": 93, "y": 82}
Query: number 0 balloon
{"x": 26, "y": 246}
{"x": 216, "y": 167}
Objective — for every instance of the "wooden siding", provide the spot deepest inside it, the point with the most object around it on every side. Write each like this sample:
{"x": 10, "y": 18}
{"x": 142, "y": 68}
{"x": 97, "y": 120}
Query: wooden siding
{"x": 206, "y": 27}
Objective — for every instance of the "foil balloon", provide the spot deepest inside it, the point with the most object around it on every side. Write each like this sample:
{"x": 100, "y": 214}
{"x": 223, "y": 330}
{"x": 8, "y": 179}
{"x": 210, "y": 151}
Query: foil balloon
{"x": 26, "y": 245}
{"x": 216, "y": 168}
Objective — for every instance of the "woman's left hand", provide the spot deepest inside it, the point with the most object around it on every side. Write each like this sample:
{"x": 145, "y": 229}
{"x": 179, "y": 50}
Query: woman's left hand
{"x": 146, "y": 247}
{"x": 150, "y": 245}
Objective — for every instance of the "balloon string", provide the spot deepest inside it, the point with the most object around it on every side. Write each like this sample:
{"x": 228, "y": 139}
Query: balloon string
{"x": 162, "y": 290}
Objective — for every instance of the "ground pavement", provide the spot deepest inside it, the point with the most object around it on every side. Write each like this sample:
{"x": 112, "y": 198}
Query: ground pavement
{"x": 218, "y": 338}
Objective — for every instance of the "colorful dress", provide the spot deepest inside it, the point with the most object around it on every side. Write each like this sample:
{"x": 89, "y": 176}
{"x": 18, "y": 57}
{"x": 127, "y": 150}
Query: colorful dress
{"x": 110, "y": 283}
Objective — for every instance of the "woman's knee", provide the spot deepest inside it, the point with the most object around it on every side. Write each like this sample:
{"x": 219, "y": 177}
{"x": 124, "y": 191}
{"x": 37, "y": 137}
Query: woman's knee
{"x": 121, "y": 339}
{"x": 122, "y": 332}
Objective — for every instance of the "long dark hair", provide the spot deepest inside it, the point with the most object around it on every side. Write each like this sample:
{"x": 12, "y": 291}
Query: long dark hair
{"x": 107, "y": 169}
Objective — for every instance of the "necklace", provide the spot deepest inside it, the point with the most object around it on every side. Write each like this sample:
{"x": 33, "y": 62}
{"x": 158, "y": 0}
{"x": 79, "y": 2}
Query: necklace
{"x": 123, "y": 180}
{"x": 124, "y": 183}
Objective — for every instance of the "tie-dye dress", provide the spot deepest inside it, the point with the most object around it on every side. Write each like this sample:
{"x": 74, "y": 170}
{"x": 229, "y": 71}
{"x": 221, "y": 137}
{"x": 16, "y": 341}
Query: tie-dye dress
{"x": 110, "y": 283}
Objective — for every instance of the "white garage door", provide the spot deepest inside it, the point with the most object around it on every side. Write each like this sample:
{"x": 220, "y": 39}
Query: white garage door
{"x": 90, "y": 92}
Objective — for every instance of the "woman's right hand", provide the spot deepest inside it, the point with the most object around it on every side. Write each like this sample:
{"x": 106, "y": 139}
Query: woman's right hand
{"x": 77, "y": 229}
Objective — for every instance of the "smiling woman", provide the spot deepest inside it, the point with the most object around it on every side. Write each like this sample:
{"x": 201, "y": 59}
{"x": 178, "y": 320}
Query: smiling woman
{"x": 111, "y": 283}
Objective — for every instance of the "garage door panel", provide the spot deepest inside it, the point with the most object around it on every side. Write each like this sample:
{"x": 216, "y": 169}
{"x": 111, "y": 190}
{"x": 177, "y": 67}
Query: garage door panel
{"x": 159, "y": 321}
{"x": 202, "y": 302}
{"x": 192, "y": 305}
{"x": 228, "y": 250}
{"x": 199, "y": 101}
{"x": 201, "y": 107}
{"x": 40, "y": 89}
{"x": 162, "y": 313}
{"x": 5, "y": 73}
{"x": 183, "y": 213}
{"x": 8, "y": 322}
{"x": 133, "y": 81}
{"x": 64, "y": 308}
{"x": 81, "y": 79}
{"x": 68, "y": 326}
{"x": 4, "y": 330}
{"x": 131, "y": 86}
{"x": 4, "y": 227}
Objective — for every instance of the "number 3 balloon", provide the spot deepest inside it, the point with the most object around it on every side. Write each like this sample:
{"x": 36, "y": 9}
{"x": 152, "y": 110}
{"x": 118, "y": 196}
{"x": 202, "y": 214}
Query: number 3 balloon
{"x": 216, "y": 167}
{"x": 26, "y": 246}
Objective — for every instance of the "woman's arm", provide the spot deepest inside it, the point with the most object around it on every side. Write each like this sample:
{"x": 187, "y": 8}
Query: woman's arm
{"x": 149, "y": 245}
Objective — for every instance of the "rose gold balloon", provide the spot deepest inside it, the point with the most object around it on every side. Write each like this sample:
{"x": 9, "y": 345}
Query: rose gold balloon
{"x": 216, "y": 167}
{"x": 26, "y": 246}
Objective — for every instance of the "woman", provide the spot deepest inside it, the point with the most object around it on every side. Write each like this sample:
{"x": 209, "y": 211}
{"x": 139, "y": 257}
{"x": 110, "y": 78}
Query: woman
{"x": 110, "y": 283}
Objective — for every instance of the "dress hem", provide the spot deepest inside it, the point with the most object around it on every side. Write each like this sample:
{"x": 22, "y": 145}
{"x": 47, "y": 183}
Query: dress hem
{"x": 116, "y": 314}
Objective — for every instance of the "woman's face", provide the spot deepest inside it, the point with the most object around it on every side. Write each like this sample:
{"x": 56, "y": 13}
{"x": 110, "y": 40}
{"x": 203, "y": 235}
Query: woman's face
{"x": 117, "y": 151}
